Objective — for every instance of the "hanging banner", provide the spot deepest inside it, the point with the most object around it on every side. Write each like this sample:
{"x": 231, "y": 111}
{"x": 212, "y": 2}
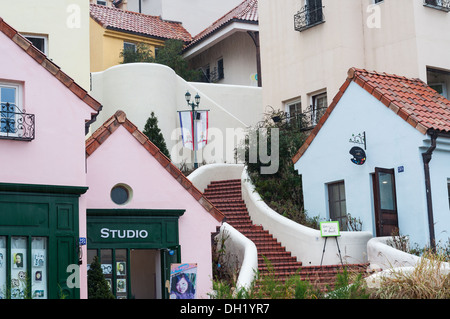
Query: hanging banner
{"x": 183, "y": 281}
{"x": 188, "y": 124}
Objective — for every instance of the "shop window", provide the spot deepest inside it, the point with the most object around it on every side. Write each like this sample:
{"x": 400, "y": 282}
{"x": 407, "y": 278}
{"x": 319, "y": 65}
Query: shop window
{"x": 337, "y": 204}
{"x": 121, "y": 194}
{"x": 114, "y": 264}
{"x": 27, "y": 269}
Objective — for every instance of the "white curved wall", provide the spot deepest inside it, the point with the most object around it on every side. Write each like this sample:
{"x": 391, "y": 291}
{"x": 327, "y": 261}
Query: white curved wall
{"x": 140, "y": 88}
{"x": 303, "y": 242}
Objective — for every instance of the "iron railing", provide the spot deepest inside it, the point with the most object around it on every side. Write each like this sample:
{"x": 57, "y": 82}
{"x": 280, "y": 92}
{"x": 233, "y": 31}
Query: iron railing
{"x": 15, "y": 124}
{"x": 438, "y": 4}
{"x": 307, "y": 17}
{"x": 308, "y": 119}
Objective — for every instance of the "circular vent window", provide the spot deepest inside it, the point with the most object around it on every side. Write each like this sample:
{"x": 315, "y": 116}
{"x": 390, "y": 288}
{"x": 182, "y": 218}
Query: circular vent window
{"x": 121, "y": 194}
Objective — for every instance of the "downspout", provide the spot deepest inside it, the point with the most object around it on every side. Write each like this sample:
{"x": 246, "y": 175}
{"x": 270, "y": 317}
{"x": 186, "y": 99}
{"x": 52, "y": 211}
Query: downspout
{"x": 426, "y": 166}
{"x": 255, "y": 37}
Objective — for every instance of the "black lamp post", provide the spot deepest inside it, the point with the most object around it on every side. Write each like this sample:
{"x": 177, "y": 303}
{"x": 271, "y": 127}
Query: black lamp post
{"x": 193, "y": 105}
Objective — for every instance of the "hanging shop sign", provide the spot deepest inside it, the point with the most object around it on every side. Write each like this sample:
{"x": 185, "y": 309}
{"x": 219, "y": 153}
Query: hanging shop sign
{"x": 359, "y": 154}
{"x": 148, "y": 228}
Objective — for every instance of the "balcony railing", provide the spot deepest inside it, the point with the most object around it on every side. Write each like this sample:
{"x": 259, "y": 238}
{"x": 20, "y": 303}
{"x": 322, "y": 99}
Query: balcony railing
{"x": 443, "y": 5}
{"x": 15, "y": 124}
{"x": 308, "y": 17}
{"x": 308, "y": 119}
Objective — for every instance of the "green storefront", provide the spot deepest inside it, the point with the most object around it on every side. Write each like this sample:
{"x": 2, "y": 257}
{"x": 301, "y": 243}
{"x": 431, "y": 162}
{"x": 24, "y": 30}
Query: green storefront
{"x": 39, "y": 235}
{"x": 135, "y": 248}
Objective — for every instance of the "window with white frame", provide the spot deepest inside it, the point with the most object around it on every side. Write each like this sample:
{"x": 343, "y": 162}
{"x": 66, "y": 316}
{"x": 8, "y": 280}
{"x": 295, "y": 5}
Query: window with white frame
{"x": 318, "y": 107}
{"x": 441, "y": 88}
{"x": 14, "y": 122}
{"x": 9, "y": 107}
{"x": 293, "y": 109}
{"x": 39, "y": 41}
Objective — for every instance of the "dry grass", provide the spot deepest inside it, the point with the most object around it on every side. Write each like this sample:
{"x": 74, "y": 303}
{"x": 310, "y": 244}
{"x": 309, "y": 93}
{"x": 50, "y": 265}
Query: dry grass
{"x": 427, "y": 280}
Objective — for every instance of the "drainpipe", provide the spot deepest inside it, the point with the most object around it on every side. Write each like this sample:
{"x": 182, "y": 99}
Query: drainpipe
{"x": 426, "y": 165}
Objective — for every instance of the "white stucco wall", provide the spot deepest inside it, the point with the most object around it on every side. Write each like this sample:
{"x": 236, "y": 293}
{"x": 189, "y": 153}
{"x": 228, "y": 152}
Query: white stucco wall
{"x": 391, "y": 143}
{"x": 140, "y": 88}
{"x": 398, "y": 37}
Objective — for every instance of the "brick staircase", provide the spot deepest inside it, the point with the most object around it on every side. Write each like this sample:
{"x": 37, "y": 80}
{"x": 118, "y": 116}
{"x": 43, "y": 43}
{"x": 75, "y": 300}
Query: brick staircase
{"x": 226, "y": 196}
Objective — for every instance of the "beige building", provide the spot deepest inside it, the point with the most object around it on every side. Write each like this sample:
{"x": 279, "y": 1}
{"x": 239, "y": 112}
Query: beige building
{"x": 307, "y": 46}
{"x": 60, "y": 29}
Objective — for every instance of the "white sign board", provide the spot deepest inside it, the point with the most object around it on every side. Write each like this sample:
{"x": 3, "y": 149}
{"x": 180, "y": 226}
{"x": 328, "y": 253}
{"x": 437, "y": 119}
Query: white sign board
{"x": 329, "y": 229}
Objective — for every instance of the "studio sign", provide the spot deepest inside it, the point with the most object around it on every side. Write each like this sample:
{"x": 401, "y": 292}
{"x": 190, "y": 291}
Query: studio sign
{"x": 124, "y": 233}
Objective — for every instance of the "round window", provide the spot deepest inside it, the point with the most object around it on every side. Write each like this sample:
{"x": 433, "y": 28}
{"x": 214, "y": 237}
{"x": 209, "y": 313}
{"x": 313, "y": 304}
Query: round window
{"x": 120, "y": 194}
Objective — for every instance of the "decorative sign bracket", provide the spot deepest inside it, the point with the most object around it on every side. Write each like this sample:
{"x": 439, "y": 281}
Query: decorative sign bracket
{"x": 359, "y": 139}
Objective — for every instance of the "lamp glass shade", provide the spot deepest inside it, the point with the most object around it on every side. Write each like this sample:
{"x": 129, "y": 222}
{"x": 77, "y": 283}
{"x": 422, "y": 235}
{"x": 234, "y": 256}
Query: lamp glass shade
{"x": 187, "y": 96}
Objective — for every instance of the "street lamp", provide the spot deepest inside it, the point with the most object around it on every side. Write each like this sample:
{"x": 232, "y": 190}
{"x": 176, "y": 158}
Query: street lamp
{"x": 193, "y": 105}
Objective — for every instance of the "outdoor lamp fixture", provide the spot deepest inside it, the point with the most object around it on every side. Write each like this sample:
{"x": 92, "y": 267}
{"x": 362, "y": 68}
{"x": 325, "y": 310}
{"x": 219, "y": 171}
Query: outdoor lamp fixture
{"x": 193, "y": 105}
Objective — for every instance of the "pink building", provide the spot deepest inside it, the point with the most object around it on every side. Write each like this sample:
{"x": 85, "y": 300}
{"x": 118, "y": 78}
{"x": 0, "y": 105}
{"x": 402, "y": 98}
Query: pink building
{"x": 116, "y": 190}
{"x": 143, "y": 214}
{"x": 44, "y": 116}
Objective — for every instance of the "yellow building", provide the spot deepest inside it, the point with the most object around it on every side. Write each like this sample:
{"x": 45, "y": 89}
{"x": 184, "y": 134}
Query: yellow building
{"x": 112, "y": 30}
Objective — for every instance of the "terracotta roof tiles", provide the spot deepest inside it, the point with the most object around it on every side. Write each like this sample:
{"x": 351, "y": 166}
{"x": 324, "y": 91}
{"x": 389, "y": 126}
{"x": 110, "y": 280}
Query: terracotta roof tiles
{"x": 138, "y": 23}
{"x": 120, "y": 119}
{"x": 50, "y": 66}
{"x": 246, "y": 12}
{"x": 411, "y": 99}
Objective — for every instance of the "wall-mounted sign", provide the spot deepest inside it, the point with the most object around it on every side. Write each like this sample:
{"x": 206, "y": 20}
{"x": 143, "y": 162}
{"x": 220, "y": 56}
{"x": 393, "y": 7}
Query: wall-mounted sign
{"x": 359, "y": 156}
{"x": 329, "y": 229}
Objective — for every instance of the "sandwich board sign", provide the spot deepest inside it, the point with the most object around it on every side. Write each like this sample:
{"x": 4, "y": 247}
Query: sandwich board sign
{"x": 329, "y": 229}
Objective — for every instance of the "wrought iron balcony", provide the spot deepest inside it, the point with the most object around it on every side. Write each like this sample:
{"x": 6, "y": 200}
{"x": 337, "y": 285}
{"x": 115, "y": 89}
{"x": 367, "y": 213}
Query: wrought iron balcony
{"x": 308, "y": 17}
{"x": 443, "y": 5}
{"x": 308, "y": 119}
{"x": 15, "y": 124}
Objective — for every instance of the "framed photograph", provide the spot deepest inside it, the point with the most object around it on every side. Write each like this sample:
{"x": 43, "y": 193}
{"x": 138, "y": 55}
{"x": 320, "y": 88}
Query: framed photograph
{"x": 329, "y": 229}
{"x": 121, "y": 268}
{"x": 121, "y": 285}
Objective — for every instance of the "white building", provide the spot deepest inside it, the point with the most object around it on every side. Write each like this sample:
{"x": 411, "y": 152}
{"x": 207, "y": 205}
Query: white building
{"x": 307, "y": 45}
{"x": 381, "y": 153}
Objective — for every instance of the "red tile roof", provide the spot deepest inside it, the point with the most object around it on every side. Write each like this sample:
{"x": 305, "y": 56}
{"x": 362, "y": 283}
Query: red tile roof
{"x": 138, "y": 23}
{"x": 411, "y": 99}
{"x": 246, "y": 12}
{"x": 51, "y": 67}
{"x": 120, "y": 118}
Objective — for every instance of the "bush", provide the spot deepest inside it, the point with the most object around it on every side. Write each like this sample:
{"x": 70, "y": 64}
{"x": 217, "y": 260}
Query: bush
{"x": 281, "y": 191}
{"x": 98, "y": 288}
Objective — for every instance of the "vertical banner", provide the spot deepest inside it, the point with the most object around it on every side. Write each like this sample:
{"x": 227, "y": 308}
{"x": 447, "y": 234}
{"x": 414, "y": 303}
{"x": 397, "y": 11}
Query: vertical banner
{"x": 183, "y": 281}
{"x": 190, "y": 127}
